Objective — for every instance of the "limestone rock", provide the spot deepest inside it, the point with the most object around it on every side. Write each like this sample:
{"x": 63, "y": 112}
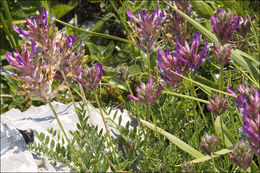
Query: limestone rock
{"x": 14, "y": 155}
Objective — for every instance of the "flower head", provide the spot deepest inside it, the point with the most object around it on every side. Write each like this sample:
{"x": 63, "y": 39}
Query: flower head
{"x": 91, "y": 76}
{"x": 218, "y": 106}
{"x": 248, "y": 101}
{"x": 145, "y": 93}
{"x": 35, "y": 76}
{"x": 38, "y": 28}
{"x": 242, "y": 155}
{"x": 224, "y": 25}
{"x": 189, "y": 53}
{"x": 147, "y": 28}
{"x": 168, "y": 63}
{"x": 122, "y": 73}
{"x": 208, "y": 143}
{"x": 244, "y": 26}
{"x": 222, "y": 54}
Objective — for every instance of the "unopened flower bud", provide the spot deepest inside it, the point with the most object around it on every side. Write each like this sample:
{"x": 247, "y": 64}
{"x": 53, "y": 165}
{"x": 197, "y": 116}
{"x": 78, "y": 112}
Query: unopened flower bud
{"x": 91, "y": 76}
{"x": 208, "y": 143}
{"x": 242, "y": 155}
{"x": 222, "y": 54}
{"x": 218, "y": 106}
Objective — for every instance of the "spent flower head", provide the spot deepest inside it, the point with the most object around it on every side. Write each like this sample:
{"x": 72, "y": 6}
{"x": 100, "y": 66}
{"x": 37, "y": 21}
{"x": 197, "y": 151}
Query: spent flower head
{"x": 122, "y": 73}
{"x": 145, "y": 93}
{"x": 90, "y": 77}
{"x": 224, "y": 25}
{"x": 189, "y": 53}
{"x": 242, "y": 155}
{"x": 222, "y": 54}
{"x": 208, "y": 143}
{"x": 244, "y": 26}
{"x": 147, "y": 28}
{"x": 168, "y": 63}
{"x": 217, "y": 106}
{"x": 187, "y": 167}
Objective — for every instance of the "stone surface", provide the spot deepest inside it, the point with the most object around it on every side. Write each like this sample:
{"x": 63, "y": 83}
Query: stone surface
{"x": 41, "y": 118}
{"x": 14, "y": 155}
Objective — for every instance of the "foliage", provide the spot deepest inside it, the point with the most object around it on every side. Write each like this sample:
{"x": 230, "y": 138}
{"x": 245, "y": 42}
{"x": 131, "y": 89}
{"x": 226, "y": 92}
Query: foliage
{"x": 168, "y": 129}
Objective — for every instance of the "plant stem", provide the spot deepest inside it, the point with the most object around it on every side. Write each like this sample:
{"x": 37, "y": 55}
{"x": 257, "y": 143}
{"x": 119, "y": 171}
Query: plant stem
{"x": 204, "y": 86}
{"x": 68, "y": 86}
{"x": 151, "y": 114}
{"x": 149, "y": 63}
{"x": 185, "y": 96}
{"x": 221, "y": 80}
{"x": 10, "y": 38}
{"x": 222, "y": 131}
{"x": 213, "y": 163}
{"x": 94, "y": 33}
{"x": 65, "y": 135}
{"x": 104, "y": 121}
{"x": 10, "y": 21}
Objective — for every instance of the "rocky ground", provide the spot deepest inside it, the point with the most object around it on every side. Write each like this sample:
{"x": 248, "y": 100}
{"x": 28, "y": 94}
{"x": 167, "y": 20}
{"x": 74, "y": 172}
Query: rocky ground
{"x": 15, "y": 157}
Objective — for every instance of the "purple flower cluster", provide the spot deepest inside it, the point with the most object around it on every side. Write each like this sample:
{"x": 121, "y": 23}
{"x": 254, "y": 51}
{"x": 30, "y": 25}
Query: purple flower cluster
{"x": 35, "y": 76}
{"x": 242, "y": 155}
{"x": 148, "y": 28}
{"x": 90, "y": 77}
{"x": 224, "y": 25}
{"x": 208, "y": 144}
{"x": 38, "y": 28}
{"x": 222, "y": 54}
{"x": 51, "y": 53}
{"x": 167, "y": 64}
{"x": 189, "y": 53}
{"x": 248, "y": 101}
{"x": 145, "y": 93}
{"x": 218, "y": 106}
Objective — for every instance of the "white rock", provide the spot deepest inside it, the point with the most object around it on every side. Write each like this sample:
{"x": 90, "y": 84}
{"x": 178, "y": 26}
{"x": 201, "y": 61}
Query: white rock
{"x": 14, "y": 155}
{"x": 41, "y": 118}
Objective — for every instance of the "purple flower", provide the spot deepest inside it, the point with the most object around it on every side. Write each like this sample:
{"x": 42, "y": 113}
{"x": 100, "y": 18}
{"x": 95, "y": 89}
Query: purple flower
{"x": 70, "y": 62}
{"x": 248, "y": 101}
{"x": 208, "y": 143}
{"x": 218, "y": 106}
{"x": 224, "y": 25}
{"x": 38, "y": 29}
{"x": 222, "y": 54}
{"x": 148, "y": 27}
{"x": 36, "y": 77}
{"x": 145, "y": 93}
{"x": 189, "y": 53}
{"x": 251, "y": 130}
{"x": 242, "y": 155}
{"x": 244, "y": 26}
{"x": 91, "y": 76}
{"x": 23, "y": 61}
{"x": 168, "y": 63}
